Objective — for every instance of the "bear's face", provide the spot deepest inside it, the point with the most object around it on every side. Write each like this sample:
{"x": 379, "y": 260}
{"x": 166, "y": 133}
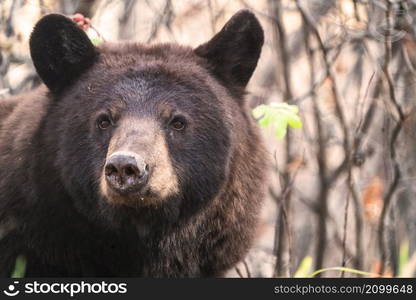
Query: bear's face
{"x": 155, "y": 136}
{"x": 159, "y": 133}
{"x": 145, "y": 126}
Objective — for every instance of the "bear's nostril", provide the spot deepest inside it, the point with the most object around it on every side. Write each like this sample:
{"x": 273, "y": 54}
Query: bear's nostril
{"x": 110, "y": 169}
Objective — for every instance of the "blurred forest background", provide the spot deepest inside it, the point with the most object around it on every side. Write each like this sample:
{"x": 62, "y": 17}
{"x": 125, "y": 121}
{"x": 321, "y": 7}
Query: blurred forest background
{"x": 343, "y": 188}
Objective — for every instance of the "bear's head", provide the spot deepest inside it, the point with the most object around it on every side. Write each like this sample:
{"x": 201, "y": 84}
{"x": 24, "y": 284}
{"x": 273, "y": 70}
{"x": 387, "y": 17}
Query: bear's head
{"x": 144, "y": 127}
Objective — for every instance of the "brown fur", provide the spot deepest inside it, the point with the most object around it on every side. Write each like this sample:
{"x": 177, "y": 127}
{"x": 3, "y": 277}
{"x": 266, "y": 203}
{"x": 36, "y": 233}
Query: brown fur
{"x": 207, "y": 182}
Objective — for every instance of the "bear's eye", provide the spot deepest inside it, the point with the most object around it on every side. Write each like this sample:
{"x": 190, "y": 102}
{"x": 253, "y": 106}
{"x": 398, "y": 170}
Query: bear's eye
{"x": 178, "y": 123}
{"x": 104, "y": 122}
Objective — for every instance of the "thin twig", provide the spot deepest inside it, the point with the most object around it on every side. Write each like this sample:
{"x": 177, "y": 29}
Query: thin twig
{"x": 284, "y": 223}
{"x": 239, "y": 272}
{"x": 247, "y": 268}
{"x": 344, "y": 237}
{"x": 395, "y": 134}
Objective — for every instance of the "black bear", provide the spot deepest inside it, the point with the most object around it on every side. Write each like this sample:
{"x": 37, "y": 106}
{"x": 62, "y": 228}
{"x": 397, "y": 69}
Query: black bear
{"x": 131, "y": 159}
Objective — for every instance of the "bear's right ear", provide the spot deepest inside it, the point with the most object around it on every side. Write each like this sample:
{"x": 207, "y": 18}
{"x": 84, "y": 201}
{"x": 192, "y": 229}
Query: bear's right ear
{"x": 60, "y": 51}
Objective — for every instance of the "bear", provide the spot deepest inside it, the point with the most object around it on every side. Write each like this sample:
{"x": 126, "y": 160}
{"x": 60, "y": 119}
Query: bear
{"x": 132, "y": 160}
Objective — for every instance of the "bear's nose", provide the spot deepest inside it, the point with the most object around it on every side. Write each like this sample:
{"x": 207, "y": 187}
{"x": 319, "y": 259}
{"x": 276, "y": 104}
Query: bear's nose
{"x": 126, "y": 173}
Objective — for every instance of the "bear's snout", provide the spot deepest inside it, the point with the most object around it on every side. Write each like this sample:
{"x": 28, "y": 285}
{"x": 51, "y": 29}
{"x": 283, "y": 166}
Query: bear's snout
{"x": 126, "y": 172}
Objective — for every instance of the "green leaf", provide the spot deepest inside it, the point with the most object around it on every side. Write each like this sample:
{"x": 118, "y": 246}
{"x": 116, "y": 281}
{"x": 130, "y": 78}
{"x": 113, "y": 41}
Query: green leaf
{"x": 304, "y": 267}
{"x": 95, "y": 40}
{"x": 280, "y": 128}
{"x": 278, "y": 116}
{"x": 20, "y": 267}
{"x": 403, "y": 256}
{"x": 94, "y": 37}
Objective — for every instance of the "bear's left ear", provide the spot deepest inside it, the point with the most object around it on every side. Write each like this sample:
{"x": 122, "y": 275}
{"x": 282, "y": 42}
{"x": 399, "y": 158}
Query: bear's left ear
{"x": 232, "y": 54}
{"x": 60, "y": 51}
